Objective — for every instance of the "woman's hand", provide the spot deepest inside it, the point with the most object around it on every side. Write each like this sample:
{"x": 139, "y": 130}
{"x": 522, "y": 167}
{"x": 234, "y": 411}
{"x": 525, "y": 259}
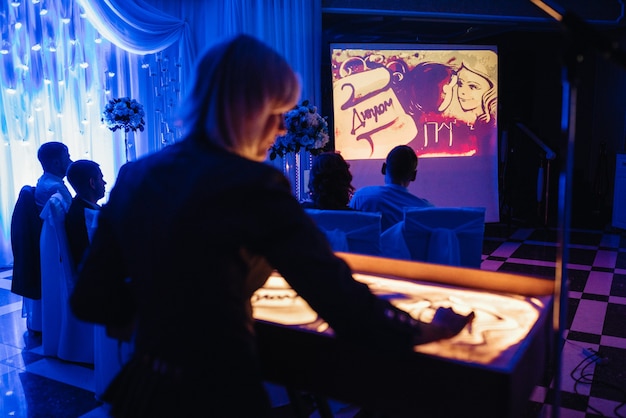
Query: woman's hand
{"x": 445, "y": 324}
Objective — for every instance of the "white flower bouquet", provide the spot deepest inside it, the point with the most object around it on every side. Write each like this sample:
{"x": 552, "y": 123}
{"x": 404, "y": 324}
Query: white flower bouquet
{"x": 306, "y": 130}
{"x": 123, "y": 113}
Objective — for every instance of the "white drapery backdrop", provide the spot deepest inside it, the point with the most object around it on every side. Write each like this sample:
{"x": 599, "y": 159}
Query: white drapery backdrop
{"x": 62, "y": 60}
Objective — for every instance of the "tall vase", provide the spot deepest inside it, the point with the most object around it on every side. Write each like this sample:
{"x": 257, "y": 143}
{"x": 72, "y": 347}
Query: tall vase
{"x": 306, "y": 162}
{"x": 290, "y": 168}
{"x": 126, "y": 146}
{"x": 296, "y": 166}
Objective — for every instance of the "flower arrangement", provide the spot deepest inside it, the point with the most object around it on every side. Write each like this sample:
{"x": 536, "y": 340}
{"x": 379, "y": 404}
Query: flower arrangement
{"x": 123, "y": 113}
{"x": 306, "y": 129}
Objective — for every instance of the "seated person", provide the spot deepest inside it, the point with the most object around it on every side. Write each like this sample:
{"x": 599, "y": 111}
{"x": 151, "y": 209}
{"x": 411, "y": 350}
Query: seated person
{"x": 55, "y": 159}
{"x": 26, "y": 228}
{"x": 87, "y": 180}
{"x": 399, "y": 169}
{"x": 330, "y": 183}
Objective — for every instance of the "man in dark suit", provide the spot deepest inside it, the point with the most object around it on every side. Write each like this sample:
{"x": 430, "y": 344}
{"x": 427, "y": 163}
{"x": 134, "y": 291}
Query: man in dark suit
{"x": 26, "y": 228}
{"x": 87, "y": 180}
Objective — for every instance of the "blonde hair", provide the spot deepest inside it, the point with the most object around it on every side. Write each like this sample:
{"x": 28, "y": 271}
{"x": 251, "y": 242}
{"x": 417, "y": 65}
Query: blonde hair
{"x": 238, "y": 84}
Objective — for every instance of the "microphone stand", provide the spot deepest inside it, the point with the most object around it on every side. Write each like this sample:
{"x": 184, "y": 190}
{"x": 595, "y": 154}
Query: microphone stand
{"x": 569, "y": 83}
{"x": 580, "y": 38}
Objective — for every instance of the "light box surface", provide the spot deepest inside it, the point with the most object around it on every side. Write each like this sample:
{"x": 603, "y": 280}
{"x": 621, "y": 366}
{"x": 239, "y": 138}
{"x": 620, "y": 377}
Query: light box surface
{"x": 489, "y": 369}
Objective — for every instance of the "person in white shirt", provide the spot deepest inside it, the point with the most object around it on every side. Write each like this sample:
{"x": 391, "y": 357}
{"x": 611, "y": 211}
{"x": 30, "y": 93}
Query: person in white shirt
{"x": 26, "y": 229}
{"x": 55, "y": 159}
{"x": 400, "y": 169}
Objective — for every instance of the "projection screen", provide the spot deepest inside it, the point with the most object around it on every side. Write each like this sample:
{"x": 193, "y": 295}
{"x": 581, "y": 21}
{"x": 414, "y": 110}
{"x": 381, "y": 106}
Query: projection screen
{"x": 439, "y": 99}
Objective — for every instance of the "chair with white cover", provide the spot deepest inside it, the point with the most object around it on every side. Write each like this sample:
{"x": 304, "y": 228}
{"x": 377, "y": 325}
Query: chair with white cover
{"x": 63, "y": 335}
{"x": 348, "y": 230}
{"x": 25, "y": 234}
{"x": 441, "y": 235}
{"x": 110, "y": 354}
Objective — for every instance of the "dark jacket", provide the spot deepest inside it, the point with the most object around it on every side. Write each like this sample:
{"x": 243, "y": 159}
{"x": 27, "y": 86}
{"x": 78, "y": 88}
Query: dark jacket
{"x": 197, "y": 230}
{"x": 25, "y": 232}
{"x": 76, "y": 228}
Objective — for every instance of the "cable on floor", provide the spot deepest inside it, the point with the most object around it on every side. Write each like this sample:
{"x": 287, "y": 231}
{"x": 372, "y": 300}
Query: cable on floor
{"x": 593, "y": 356}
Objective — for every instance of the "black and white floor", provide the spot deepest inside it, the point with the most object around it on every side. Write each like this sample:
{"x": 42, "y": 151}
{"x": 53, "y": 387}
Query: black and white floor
{"x": 593, "y": 382}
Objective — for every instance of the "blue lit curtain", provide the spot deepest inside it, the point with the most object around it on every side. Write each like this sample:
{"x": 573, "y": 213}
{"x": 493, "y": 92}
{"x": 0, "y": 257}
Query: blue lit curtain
{"x": 62, "y": 60}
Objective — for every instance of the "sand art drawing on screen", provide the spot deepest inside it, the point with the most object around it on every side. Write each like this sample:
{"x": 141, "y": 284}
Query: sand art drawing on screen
{"x": 441, "y": 102}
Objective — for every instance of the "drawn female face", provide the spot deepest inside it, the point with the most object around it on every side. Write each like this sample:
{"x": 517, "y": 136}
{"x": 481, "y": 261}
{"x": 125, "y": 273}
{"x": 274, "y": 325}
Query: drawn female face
{"x": 471, "y": 89}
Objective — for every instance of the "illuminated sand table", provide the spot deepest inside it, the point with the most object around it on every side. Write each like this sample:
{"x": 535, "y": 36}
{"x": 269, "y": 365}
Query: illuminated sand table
{"x": 501, "y": 322}
{"x": 488, "y": 371}
{"x": 277, "y": 302}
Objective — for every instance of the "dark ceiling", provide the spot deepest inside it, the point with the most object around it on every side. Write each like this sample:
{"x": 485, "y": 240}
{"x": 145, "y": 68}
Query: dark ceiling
{"x": 368, "y": 28}
{"x": 454, "y": 22}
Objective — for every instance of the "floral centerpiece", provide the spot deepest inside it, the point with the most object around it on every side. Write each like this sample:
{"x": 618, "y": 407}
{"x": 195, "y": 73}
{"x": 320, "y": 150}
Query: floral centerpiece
{"x": 306, "y": 130}
{"x": 123, "y": 113}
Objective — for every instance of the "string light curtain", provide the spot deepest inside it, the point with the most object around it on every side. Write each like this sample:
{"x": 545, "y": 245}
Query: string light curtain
{"x": 161, "y": 53}
{"x": 64, "y": 59}
{"x": 50, "y": 87}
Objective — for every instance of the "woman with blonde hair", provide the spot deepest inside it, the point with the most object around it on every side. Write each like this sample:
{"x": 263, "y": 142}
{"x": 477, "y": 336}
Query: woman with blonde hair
{"x": 190, "y": 232}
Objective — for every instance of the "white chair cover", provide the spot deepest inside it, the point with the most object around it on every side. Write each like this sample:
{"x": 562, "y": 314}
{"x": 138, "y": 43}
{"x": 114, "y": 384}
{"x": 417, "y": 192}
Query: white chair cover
{"x": 349, "y": 231}
{"x": 393, "y": 244}
{"x": 443, "y": 247}
{"x": 31, "y": 310}
{"x": 51, "y": 271}
{"x": 451, "y": 236}
{"x": 338, "y": 239}
{"x": 109, "y": 354}
{"x": 109, "y": 357}
{"x": 63, "y": 335}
